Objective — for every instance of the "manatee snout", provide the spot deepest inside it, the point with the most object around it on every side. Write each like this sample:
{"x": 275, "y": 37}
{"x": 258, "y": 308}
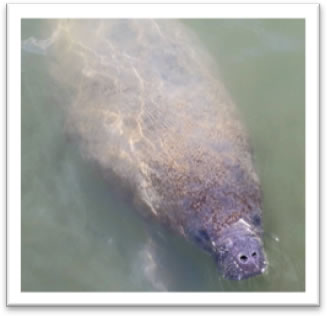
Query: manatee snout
{"x": 241, "y": 256}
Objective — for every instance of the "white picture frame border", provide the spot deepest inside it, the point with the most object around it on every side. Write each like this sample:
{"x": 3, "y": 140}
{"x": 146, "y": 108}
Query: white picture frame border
{"x": 16, "y": 12}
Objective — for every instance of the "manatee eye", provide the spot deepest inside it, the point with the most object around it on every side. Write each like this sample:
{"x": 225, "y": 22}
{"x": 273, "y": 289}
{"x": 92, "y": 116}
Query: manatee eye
{"x": 254, "y": 254}
{"x": 203, "y": 233}
{"x": 256, "y": 220}
{"x": 202, "y": 236}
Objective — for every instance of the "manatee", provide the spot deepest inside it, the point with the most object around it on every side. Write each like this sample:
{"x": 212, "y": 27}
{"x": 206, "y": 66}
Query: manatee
{"x": 150, "y": 110}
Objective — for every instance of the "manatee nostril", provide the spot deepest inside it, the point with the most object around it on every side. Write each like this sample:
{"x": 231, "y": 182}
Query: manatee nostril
{"x": 243, "y": 258}
{"x": 254, "y": 254}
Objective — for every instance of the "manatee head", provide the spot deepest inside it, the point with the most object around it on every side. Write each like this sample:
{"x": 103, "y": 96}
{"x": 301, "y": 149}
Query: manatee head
{"x": 239, "y": 253}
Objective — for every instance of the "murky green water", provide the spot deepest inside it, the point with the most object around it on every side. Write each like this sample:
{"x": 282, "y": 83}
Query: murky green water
{"x": 77, "y": 236}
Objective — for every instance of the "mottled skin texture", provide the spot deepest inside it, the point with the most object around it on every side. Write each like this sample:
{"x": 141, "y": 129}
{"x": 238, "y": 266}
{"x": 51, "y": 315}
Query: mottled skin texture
{"x": 149, "y": 108}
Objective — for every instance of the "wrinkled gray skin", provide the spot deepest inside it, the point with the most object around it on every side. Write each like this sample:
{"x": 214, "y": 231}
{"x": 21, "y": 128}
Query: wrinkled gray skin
{"x": 150, "y": 110}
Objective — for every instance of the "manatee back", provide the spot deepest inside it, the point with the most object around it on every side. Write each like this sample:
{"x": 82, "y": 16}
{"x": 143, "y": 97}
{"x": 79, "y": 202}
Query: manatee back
{"x": 150, "y": 110}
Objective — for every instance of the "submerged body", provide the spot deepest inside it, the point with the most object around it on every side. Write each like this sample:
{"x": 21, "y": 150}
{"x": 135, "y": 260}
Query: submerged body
{"x": 151, "y": 111}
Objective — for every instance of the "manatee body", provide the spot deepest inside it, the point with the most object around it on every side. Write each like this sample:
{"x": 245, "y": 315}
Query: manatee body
{"x": 151, "y": 111}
